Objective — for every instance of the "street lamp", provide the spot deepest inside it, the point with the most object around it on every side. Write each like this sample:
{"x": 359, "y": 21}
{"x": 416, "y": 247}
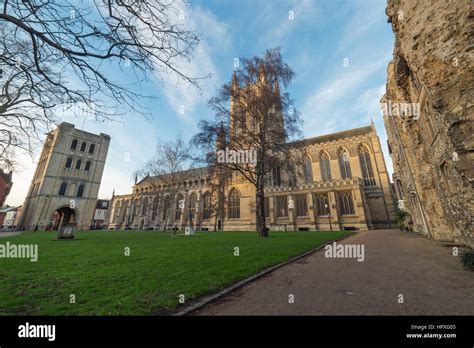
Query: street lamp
{"x": 291, "y": 207}
{"x": 329, "y": 215}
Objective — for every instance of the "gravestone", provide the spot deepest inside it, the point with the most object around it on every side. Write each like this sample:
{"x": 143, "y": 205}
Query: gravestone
{"x": 66, "y": 231}
{"x": 189, "y": 230}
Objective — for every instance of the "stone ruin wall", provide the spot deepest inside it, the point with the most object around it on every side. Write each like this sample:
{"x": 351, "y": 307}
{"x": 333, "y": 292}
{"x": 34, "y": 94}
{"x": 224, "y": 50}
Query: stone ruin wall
{"x": 433, "y": 63}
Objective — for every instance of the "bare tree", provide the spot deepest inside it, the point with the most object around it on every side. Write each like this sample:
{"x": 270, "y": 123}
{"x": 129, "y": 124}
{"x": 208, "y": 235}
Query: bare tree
{"x": 219, "y": 177}
{"x": 252, "y": 116}
{"x": 60, "y": 54}
{"x": 168, "y": 169}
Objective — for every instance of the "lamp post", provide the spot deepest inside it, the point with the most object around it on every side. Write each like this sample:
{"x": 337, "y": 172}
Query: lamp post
{"x": 329, "y": 215}
{"x": 197, "y": 215}
{"x": 291, "y": 207}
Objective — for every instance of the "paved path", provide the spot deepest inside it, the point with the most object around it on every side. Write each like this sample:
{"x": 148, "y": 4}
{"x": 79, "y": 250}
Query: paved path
{"x": 9, "y": 234}
{"x": 430, "y": 279}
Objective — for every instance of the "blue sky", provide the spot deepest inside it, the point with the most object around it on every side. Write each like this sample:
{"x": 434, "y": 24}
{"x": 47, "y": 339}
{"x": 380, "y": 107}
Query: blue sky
{"x": 315, "y": 39}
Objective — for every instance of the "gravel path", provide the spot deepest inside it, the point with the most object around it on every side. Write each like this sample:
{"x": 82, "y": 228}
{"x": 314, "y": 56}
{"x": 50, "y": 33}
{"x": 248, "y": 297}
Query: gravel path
{"x": 9, "y": 234}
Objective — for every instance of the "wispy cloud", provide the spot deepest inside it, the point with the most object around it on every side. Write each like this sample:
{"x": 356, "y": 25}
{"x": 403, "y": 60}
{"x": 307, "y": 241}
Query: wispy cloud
{"x": 333, "y": 102}
{"x": 180, "y": 95}
{"x": 280, "y": 22}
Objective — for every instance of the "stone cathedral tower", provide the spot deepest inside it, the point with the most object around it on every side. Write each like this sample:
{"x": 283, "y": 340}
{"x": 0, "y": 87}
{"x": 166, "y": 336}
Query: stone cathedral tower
{"x": 244, "y": 104}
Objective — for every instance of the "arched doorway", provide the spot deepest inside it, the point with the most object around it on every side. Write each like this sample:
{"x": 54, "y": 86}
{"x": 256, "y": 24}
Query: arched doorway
{"x": 65, "y": 222}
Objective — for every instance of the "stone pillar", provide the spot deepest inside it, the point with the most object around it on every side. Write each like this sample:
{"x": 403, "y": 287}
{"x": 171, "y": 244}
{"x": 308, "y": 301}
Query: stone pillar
{"x": 291, "y": 213}
{"x": 183, "y": 221}
{"x": 198, "y": 210}
{"x": 156, "y": 223}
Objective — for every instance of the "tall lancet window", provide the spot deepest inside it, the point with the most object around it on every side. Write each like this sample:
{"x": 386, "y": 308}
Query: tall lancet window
{"x": 325, "y": 165}
{"x": 234, "y": 204}
{"x": 307, "y": 171}
{"x": 291, "y": 174}
{"x": 344, "y": 164}
{"x": 366, "y": 166}
{"x": 243, "y": 120}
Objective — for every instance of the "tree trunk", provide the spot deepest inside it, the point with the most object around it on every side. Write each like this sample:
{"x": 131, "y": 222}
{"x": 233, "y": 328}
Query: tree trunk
{"x": 260, "y": 208}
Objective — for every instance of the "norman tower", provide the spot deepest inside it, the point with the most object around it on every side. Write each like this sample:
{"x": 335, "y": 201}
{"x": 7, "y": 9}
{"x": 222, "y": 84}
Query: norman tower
{"x": 66, "y": 182}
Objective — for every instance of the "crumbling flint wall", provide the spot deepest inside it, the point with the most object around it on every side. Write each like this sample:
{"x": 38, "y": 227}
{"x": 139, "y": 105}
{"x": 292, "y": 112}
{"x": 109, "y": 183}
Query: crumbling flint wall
{"x": 434, "y": 40}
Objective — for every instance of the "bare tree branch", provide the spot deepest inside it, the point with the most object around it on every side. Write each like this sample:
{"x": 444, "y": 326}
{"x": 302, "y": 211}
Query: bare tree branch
{"x": 59, "y": 55}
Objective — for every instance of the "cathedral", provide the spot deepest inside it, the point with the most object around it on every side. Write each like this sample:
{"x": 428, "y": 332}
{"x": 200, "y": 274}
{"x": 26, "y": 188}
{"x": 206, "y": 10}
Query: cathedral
{"x": 341, "y": 184}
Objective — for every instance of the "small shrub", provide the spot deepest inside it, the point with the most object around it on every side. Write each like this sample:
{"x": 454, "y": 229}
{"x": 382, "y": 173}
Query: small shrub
{"x": 467, "y": 260}
{"x": 400, "y": 217}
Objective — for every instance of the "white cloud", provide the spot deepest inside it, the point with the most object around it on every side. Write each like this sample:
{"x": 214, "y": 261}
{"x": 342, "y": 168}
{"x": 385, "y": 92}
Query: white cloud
{"x": 214, "y": 36}
{"x": 367, "y": 105}
{"x": 21, "y": 178}
{"x": 365, "y": 17}
{"x": 283, "y": 23}
{"x": 324, "y": 102}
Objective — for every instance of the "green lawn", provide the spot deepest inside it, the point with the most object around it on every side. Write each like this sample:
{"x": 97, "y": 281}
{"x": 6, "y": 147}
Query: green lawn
{"x": 149, "y": 281}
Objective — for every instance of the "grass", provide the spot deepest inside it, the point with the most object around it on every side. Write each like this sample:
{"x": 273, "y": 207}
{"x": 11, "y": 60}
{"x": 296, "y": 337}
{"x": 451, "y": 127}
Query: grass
{"x": 149, "y": 281}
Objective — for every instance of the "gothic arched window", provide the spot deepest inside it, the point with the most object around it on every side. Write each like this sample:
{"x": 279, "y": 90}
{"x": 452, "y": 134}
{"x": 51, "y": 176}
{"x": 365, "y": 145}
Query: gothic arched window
{"x": 206, "y": 213}
{"x": 192, "y": 200}
{"x": 166, "y": 207}
{"x": 322, "y": 204}
{"x": 281, "y": 206}
{"x": 291, "y": 174}
{"x": 301, "y": 205}
{"x": 69, "y": 162}
{"x": 178, "y": 207}
{"x": 234, "y": 204}
{"x": 325, "y": 165}
{"x": 276, "y": 177}
{"x": 366, "y": 166}
{"x": 307, "y": 171}
{"x": 346, "y": 207}
{"x": 154, "y": 211}
{"x": 145, "y": 206}
{"x": 344, "y": 164}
